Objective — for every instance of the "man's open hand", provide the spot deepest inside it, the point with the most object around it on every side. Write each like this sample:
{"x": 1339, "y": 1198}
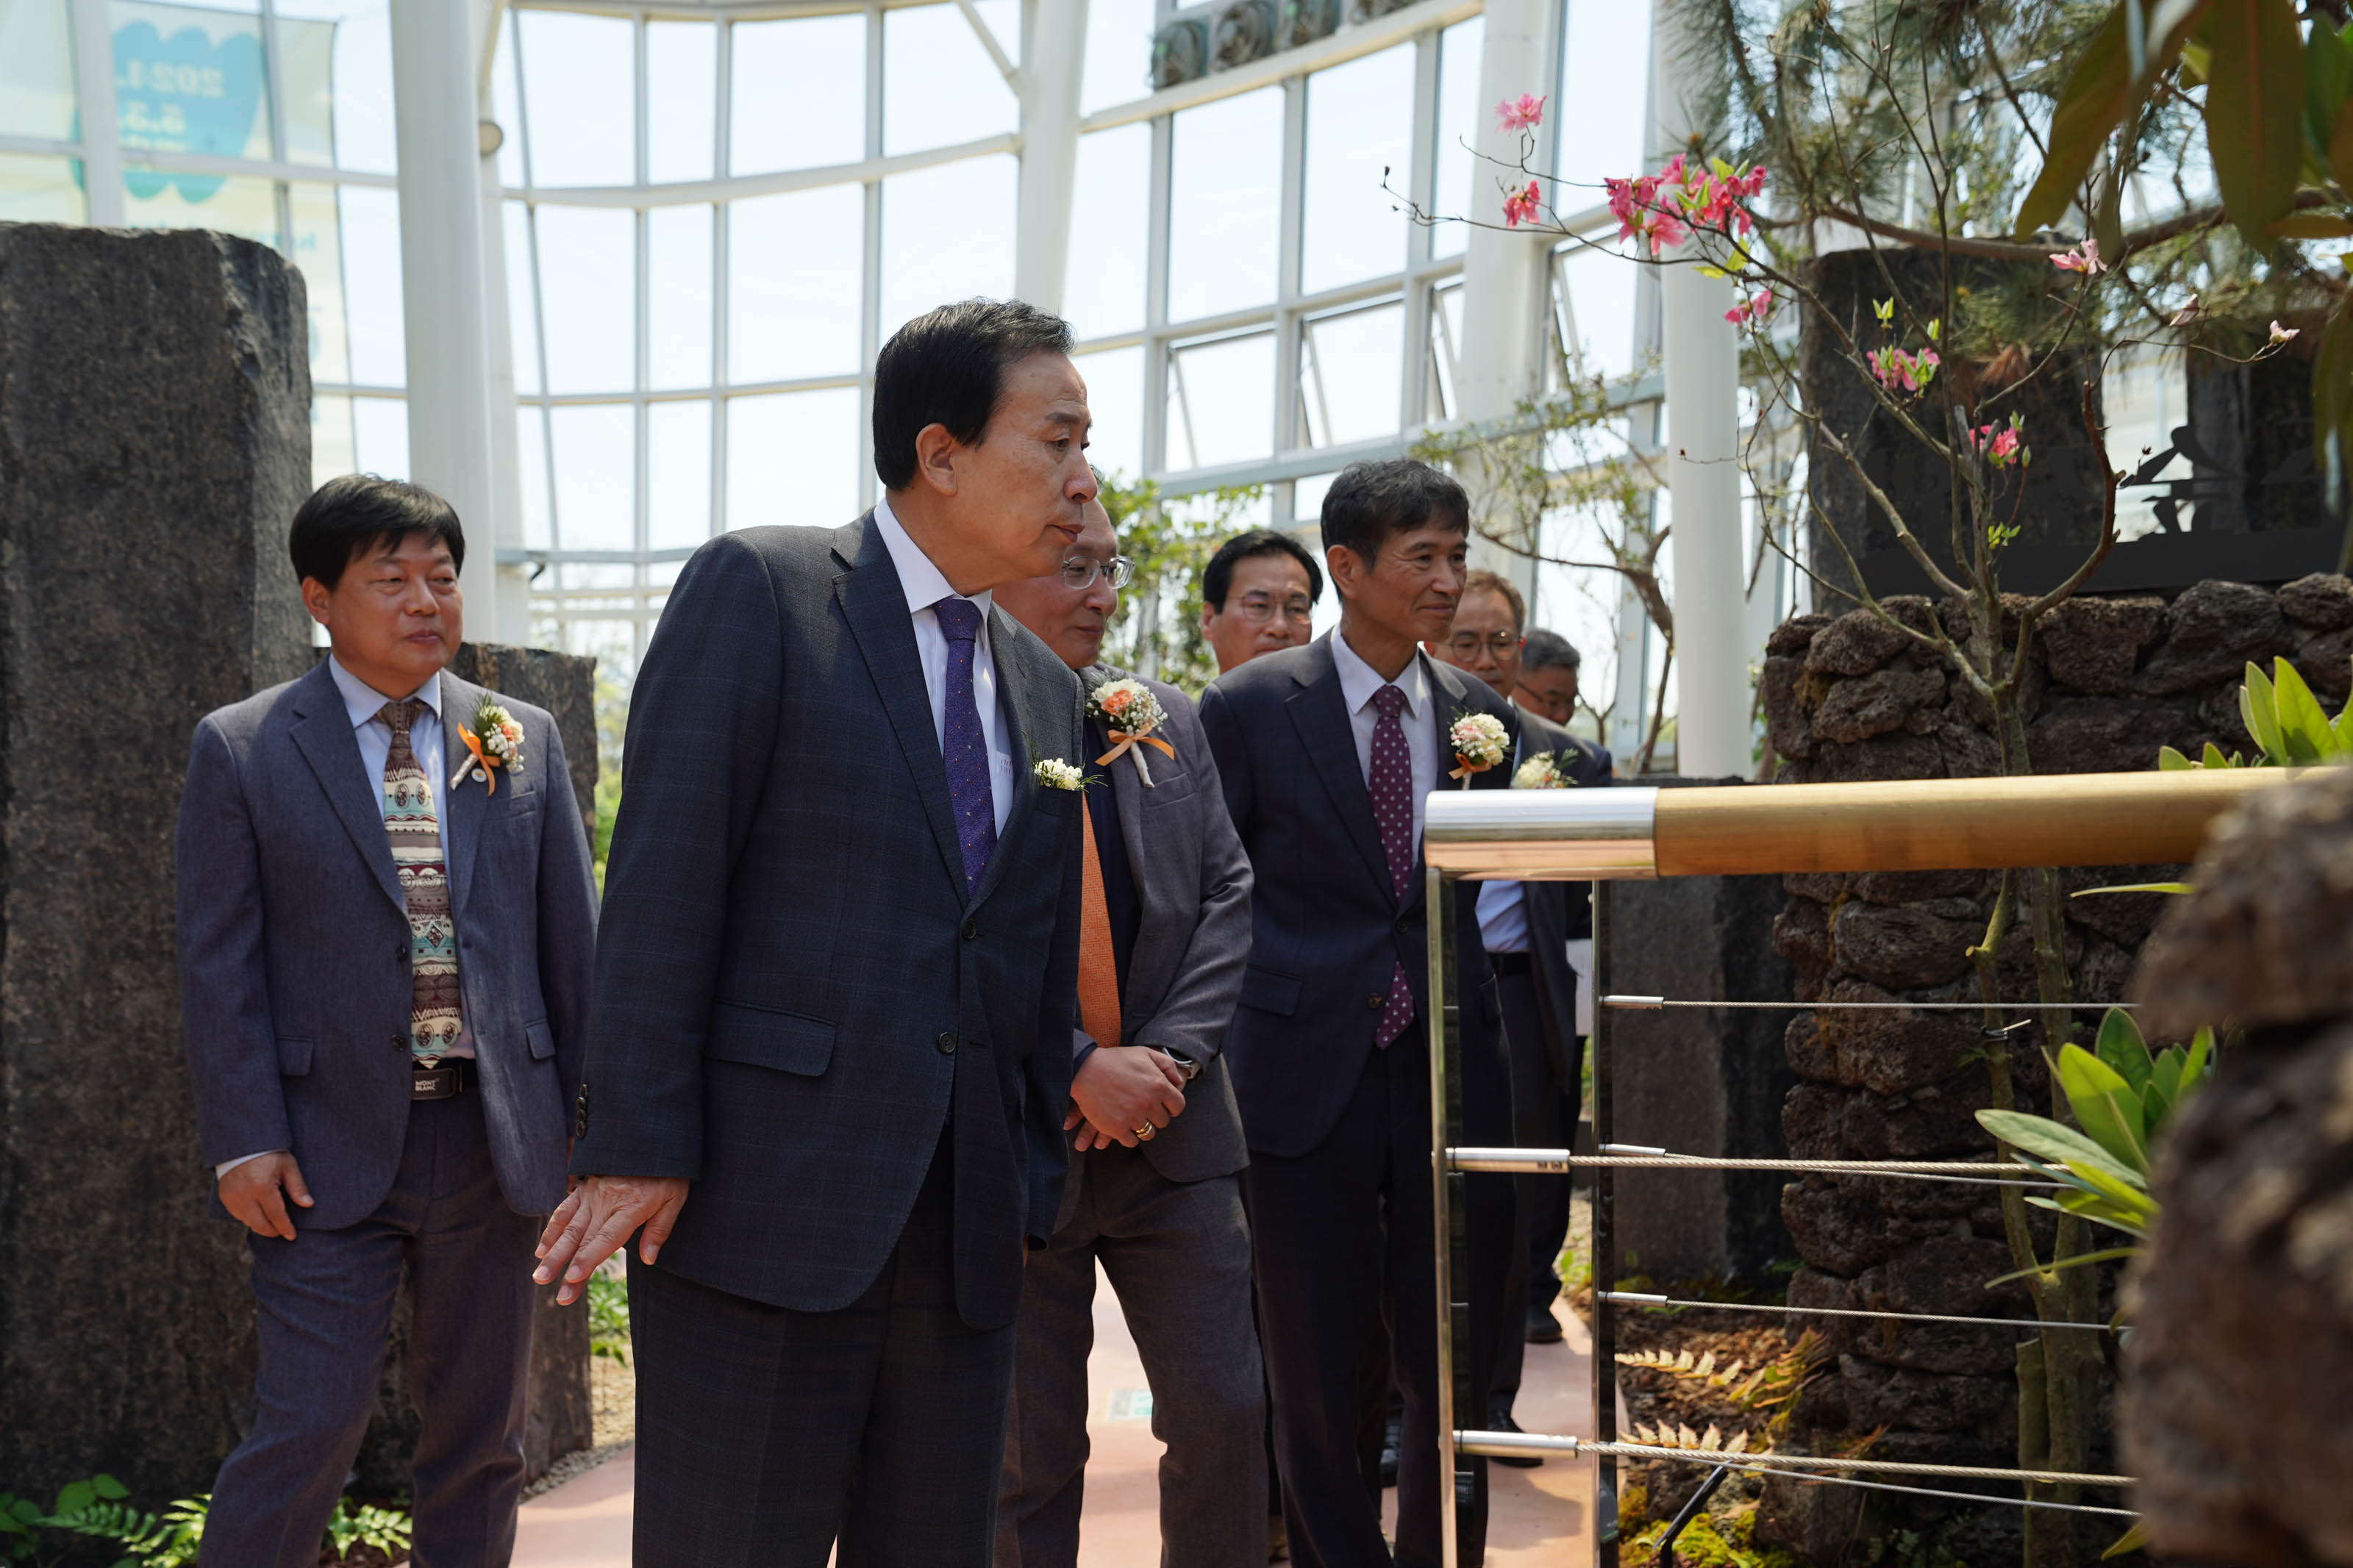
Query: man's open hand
{"x": 251, "y": 1194}
{"x": 1120, "y": 1089}
{"x": 596, "y": 1221}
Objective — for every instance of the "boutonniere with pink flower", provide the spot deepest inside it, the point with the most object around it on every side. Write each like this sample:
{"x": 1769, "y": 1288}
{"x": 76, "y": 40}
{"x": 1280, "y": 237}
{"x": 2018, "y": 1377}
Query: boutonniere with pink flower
{"x": 1480, "y": 741}
{"x": 494, "y": 741}
{"x": 1545, "y": 770}
{"x": 1130, "y": 713}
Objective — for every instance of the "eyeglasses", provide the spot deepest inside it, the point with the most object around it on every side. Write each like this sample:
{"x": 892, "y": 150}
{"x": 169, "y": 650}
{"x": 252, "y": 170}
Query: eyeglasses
{"x": 1258, "y": 608}
{"x": 1467, "y": 643}
{"x": 1079, "y": 572}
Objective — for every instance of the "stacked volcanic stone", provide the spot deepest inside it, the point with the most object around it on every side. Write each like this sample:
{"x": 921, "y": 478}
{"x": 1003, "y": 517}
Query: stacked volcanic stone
{"x": 1846, "y": 699}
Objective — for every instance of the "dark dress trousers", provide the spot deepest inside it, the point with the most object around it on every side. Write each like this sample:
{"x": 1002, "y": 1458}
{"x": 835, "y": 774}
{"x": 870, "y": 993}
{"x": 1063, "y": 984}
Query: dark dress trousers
{"x": 1164, "y": 1220}
{"x": 1540, "y": 1038}
{"x": 1338, "y": 1185}
{"x": 296, "y": 991}
{"x": 861, "y": 1065}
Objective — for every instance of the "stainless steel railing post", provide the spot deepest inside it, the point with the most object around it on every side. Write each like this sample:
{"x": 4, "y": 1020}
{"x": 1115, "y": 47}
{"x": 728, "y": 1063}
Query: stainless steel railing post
{"x": 1439, "y": 1029}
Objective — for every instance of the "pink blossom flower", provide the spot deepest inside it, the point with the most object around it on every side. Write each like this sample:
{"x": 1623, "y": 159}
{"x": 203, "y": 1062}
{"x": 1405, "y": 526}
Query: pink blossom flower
{"x": 2281, "y": 334}
{"x": 2005, "y": 446}
{"x": 2084, "y": 259}
{"x": 2002, "y": 443}
{"x": 1521, "y": 206}
{"x": 1893, "y": 367}
{"x": 1751, "y": 312}
{"x": 1525, "y": 114}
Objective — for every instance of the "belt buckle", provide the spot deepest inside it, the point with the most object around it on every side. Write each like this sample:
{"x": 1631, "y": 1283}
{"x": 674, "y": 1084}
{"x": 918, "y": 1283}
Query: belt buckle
{"x": 433, "y": 1083}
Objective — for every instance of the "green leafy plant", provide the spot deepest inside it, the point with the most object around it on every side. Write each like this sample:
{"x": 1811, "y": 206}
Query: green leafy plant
{"x": 97, "y": 1509}
{"x": 2123, "y": 1095}
{"x": 2287, "y": 723}
{"x": 386, "y": 1529}
{"x": 609, "y": 1318}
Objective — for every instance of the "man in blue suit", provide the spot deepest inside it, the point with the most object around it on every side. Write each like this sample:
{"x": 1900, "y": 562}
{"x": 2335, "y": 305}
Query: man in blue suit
{"x": 1326, "y": 754}
{"x": 383, "y": 971}
{"x": 829, "y": 1048}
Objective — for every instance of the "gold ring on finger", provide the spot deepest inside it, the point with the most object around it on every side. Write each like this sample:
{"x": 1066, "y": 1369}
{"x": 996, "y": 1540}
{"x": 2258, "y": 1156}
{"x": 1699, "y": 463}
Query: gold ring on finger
{"x": 1146, "y": 1132}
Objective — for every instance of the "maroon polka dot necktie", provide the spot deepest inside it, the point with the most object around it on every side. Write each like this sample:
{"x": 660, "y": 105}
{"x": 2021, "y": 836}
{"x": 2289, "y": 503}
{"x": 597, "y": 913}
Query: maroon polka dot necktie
{"x": 1392, "y": 787}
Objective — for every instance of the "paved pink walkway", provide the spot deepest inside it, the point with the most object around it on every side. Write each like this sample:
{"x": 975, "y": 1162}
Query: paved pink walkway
{"x": 1541, "y": 1516}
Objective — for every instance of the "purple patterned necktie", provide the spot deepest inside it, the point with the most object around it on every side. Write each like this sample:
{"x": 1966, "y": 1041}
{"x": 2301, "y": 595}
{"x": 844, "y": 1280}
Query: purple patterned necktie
{"x": 1392, "y": 787}
{"x": 962, "y": 745}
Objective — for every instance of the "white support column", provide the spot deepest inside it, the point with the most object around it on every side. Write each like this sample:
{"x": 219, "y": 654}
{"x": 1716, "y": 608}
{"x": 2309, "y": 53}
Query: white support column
{"x": 444, "y": 285}
{"x": 1052, "y": 59}
{"x": 101, "y": 148}
{"x": 1702, "y": 375}
{"x": 1498, "y": 361}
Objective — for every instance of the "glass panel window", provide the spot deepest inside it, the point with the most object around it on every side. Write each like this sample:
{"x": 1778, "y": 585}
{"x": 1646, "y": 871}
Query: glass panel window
{"x": 1349, "y": 366}
{"x": 678, "y": 474}
{"x": 1593, "y": 311}
{"x": 796, "y": 95}
{"x": 318, "y": 253}
{"x": 380, "y": 437}
{"x": 234, "y": 205}
{"x": 947, "y": 234}
{"x": 372, "y": 310}
{"x": 596, "y": 475}
{"x": 334, "y": 64}
{"x": 531, "y": 450}
{"x": 1462, "y": 182}
{"x": 1118, "y": 67}
{"x": 1359, "y": 122}
{"x": 939, "y": 86}
{"x": 795, "y": 274}
{"x": 1606, "y": 51}
{"x": 682, "y": 96}
{"x": 1439, "y": 400}
{"x": 793, "y": 457}
{"x": 189, "y": 80}
{"x": 580, "y": 95}
{"x": 330, "y": 438}
{"x": 1115, "y": 401}
{"x": 677, "y": 295}
{"x": 39, "y": 190}
{"x": 37, "y": 75}
{"x": 1221, "y": 401}
{"x": 1102, "y": 292}
{"x": 589, "y": 288}
{"x": 522, "y": 301}
{"x": 1225, "y": 205}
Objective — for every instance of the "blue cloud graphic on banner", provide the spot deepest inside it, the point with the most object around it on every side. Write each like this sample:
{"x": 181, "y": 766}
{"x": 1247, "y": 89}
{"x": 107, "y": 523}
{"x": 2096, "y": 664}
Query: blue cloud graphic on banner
{"x": 184, "y": 94}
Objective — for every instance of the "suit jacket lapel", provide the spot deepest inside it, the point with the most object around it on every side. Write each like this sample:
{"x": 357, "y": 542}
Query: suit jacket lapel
{"x": 323, "y": 734}
{"x": 875, "y": 606}
{"x": 1148, "y": 871}
{"x": 461, "y": 804}
{"x": 1447, "y": 700}
{"x": 1320, "y": 713}
{"x": 1018, "y": 686}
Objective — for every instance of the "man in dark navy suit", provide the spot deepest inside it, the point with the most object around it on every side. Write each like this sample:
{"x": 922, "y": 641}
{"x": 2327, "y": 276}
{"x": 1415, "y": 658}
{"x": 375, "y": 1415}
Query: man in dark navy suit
{"x": 1327, "y": 754}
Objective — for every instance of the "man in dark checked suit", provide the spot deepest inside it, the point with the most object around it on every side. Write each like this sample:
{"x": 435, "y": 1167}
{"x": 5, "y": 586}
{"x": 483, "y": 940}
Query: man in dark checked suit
{"x": 829, "y": 1049}
{"x": 1152, "y": 1196}
{"x": 1325, "y": 754}
{"x": 383, "y": 973}
{"x": 1528, "y": 928}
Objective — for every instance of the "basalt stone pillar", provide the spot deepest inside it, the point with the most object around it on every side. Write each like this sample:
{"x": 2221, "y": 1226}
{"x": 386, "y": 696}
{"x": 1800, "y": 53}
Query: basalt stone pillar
{"x": 155, "y": 440}
{"x": 558, "y": 1418}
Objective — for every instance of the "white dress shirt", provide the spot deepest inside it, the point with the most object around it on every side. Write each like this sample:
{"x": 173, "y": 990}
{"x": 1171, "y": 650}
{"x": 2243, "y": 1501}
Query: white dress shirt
{"x": 365, "y": 706}
{"x": 1359, "y": 684}
{"x": 926, "y": 587}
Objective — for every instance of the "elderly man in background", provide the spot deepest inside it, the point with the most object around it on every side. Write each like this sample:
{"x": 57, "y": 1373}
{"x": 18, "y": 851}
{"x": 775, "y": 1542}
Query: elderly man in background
{"x": 1258, "y": 593}
{"x": 1539, "y": 936}
{"x": 1154, "y": 1194}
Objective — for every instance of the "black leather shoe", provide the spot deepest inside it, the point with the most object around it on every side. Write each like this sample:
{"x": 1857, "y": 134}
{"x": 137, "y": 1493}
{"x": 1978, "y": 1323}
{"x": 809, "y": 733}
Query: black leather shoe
{"x": 1501, "y": 1421}
{"x": 1544, "y": 1329}
{"x": 1391, "y": 1441}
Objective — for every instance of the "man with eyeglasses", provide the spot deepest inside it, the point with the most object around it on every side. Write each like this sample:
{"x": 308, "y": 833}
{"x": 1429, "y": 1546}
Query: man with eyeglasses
{"x": 1259, "y": 594}
{"x": 1154, "y": 1196}
{"x": 1534, "y": 934}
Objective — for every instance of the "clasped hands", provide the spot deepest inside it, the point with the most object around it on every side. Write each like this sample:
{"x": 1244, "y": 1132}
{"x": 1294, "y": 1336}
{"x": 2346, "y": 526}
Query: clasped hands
{"x": 1119, "y": 1089}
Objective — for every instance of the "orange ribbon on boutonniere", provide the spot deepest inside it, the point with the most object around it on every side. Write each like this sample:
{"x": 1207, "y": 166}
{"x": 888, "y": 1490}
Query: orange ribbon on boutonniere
{"x": 1130, "y": 713}
{"x": 1480, "y": 741}
{"x": 498, "y": 745}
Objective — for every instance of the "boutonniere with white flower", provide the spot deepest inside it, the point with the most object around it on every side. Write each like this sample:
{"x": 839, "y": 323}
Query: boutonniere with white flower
{"x": 494, "y": 741}
{"x": 1544, "y": 771}
{"x": 1130, "y": 713}
{"x": 1054, "y": 772}
{"x": 1480, "y": 741}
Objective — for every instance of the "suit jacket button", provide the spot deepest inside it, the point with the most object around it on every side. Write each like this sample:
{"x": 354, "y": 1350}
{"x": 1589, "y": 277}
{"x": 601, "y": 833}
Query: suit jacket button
{"x": 948, "y": 1045}
{"x": 399, "y": 1043}
{"x": 402, "y": 954}
{"x": 1374, "y": 1004}
{"x": 1402, "y": 925}
{"x": 580, "y": 1128}
{"x": 971, "y": 930}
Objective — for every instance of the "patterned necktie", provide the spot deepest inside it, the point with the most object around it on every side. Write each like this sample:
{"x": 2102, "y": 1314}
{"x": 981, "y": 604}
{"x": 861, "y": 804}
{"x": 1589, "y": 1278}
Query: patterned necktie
{"x": 433, "y": 1021}
{"x": 1392, "y": 787}
{"x": 962, "y": 745}
{"x": 1098, "y": 961}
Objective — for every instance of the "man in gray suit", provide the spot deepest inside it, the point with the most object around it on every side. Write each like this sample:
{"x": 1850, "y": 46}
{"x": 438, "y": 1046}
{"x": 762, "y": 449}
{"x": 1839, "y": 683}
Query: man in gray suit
{"x": 1153, "y": 1194}
{"x": 384, "y": 971}
{"x": 828, "y": 1051}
